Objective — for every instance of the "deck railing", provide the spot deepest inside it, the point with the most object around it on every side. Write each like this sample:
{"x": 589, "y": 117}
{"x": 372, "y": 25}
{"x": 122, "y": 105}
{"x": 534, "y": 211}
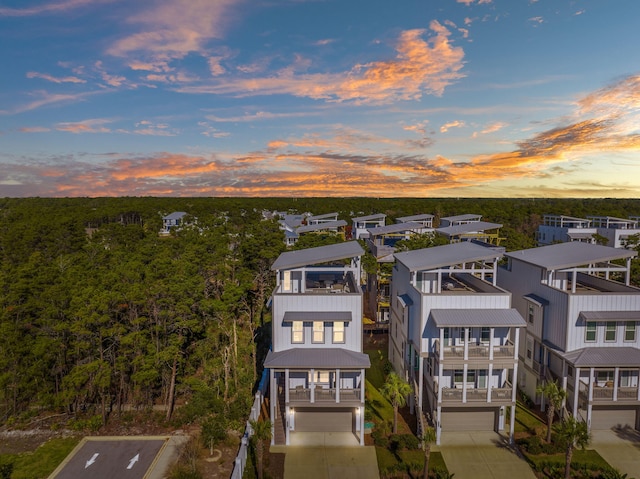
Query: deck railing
{"x": 302, "y": 394}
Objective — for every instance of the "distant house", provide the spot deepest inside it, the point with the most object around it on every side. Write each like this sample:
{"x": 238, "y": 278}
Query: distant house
{"x": 173, "y": 220}
{"x": 469, "y": 227}
{"x": 334, "y": 227}
{"x": 325, "y": 218}
{"x": 363, "y": 223}
{"x": 459, "y": 220}
{"x": 564, "y": 229}
{"x": 451, "y": 336}
{"x": 426, "y": 220}
{"x": 316, "y": 365}
{"x": 582, "y": 328}
{"x": 289, "y": 223}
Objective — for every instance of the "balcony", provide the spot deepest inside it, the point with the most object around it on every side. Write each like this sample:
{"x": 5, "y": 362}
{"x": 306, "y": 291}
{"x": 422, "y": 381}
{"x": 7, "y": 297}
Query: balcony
{"x": 477, "y": 351}
{"x": 605, "y": 393}
{"x": 301, "y": 396}
{"x": 477, "y": 395}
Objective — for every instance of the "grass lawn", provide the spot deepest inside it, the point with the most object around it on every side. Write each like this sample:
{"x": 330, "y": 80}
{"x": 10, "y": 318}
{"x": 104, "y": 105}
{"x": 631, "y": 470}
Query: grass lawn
{"x": 43, "y": 461}
{"x": 526, "y": 421}
{"x": 388, "y": 460}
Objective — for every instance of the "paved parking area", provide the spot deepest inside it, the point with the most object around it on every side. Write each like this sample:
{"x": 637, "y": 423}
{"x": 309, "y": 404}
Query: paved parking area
{"x": 620, "y": 448}
{"x": 482, "y": 455}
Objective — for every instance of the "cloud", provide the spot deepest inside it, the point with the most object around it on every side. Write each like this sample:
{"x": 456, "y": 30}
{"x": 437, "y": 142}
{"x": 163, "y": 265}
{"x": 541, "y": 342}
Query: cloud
{"x": 95, "y": 125}
{"x": 324, "y": 41}
{"x": 536, "y": 20}
{"x": 48, "y": 8}
{"x": 34, "y": 129}
{"x": 44, "y": 98}
{"x": 420, "y": 67}
{"x": 258, "y": 116}
{"x": 111, "y": 80}
{"x": 53, "y": 79}
{"x": 452, "y": 124}
{"x": 172, "y": 29}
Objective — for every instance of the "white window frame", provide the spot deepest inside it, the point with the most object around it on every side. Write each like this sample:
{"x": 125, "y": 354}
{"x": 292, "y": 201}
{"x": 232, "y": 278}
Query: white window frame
{"x": 482, "y": 335}
{"x": 591, "y": 327}
{"x": 338, "y": 332}
{"x": 608, "y": 329}
{"x": 630, "y": 327}
{"x": 318, "y": 332}
{"x": 297, "y": 332}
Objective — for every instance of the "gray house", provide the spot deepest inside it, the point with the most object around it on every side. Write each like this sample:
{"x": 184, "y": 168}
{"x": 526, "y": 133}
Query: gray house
{"x": 582, "y": 321}
{"x": 316, "y": 364}
{"x": 451, "y": 336}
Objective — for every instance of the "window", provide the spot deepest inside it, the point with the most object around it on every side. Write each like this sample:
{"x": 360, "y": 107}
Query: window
{"x": 485, "y": 335}
{"x": 530, "y": 313}
{"x": 630, "y": 332}
{"x": 286, "y": 281}
{"x": 323, "y": 377}
{"x": 463, "y": 335}
{"x": 625, "y": 379}
{"x": 610, "y": 331}
{"x": 590, "y": 334}
{"x": 603, "y": 377}
{"x": 318, "y": 332}
{"x": 570, "y": 371}
{"x": 338, "y": 332}
{"x": 482, "y": 379}
{"x": 447, "y": 337}
{"x": 457, "y": 376}
{"x": 471, "y": 377}
{"x": 297, "y": 332}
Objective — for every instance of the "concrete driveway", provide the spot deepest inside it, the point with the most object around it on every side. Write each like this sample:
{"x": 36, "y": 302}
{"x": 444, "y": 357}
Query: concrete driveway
{"x": 482, "y": 455}
{"x": 620, "y": 448}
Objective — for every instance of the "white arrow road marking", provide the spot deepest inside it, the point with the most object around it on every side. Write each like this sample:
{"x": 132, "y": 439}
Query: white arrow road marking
{"x": 92, "y": 460}
{"x": 133, "y": 460}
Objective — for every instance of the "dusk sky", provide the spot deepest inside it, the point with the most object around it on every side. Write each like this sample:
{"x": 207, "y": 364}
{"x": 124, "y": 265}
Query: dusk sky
{"x": 420, "y": 98}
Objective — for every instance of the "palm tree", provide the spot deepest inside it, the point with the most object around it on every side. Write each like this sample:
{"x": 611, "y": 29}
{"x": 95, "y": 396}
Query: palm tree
{"x": 395, "y": 390}
{"x": 261, "y": 432}
{"x": 571, "y": 434}
{"x": 428, "y": 437}
{"x": 555, "y": 396}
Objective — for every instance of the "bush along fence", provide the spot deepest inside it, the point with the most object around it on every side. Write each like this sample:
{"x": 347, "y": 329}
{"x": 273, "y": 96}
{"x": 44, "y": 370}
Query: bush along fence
{"x": 243, "y": 452}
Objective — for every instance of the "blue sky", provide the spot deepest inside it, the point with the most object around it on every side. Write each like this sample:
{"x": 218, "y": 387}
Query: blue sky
{"x": 432, "y": 98}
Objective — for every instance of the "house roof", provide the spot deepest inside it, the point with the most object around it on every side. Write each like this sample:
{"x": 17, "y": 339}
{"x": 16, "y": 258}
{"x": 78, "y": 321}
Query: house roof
{"x": 305, "y": 358}
{"x": 321, "y": 226}
{"x": 476, "y": 317}
{"x": 607, "y": 356}
{"x": 466, "y": 217}
{"x": 176, "y": 215}
{"x": 405, "y": 219}
{"x": 610, "y": 315}
{"x": 394, "y": 228}
{"x": 536, "y": 299}
{"x": 581, "y": 234}
{"x": 291, "y": 316}
{"x": 474, "y": 227}
{"x": 568, "y": 255}
{"x": 320, "y": 254}
{"x": 377, "y": 216}
{"x": 447, "y": 255}
{"x": 322, "y": 217}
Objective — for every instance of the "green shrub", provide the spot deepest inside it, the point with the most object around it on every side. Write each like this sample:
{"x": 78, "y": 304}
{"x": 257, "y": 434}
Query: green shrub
{"x": 403, "y": 441}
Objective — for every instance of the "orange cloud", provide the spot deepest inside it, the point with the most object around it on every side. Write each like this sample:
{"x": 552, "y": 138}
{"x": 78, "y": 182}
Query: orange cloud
{"x": 45, "y": 76}
{"x": 48, "y": 8}
{"x": 452, "y": 124}
{"x": 86, "y": 126}
{"x": 420, "y": 67}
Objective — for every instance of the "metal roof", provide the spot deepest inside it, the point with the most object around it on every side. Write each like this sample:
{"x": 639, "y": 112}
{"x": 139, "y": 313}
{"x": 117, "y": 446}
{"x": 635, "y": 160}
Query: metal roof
{"x": 318, "y": 255}
{"x": 605, "y": 356}
{"x": 466, "y": 217}
{"x": 568, "y": 255}
{"x": 447, "y": 255}
{"x": 477, "y": 317}
{"x": 581, "y": 234}
{"x": 176, "y": 215}
{"x": 377, "y": 216}
{"x": 610, "y": 315}
{"x": 405, "y": 219}
{"x": 321, "y": 226}
{"x": 475, "y": 227}
{"x": 305, "y": 358}
{"x": 322, "y": 217}
{"x": 536, "y": 299}
{"x": 291, "y": 316}
{"x": 394, "y": 228}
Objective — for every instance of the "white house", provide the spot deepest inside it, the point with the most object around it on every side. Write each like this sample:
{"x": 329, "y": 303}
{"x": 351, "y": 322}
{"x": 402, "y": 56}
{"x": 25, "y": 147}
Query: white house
{"x": 616, "y": 230}
{"x": 451, "y": 336}
{"x": 426, "y": 220}
{"x": 317, "y": 367}
{"x": 173, "y": 220}
{"x": 362, "y": 223}
{"x": 563, "y": 229}
{"x": 582, "y": 327}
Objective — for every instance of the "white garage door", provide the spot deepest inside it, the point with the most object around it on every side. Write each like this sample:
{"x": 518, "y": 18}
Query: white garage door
{"x": 608, "y": 418}
{"x": 323, "y": 420}
{"x": 469, "y": 420}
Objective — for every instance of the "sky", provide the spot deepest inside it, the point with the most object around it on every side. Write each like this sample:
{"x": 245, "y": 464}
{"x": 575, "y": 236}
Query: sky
{"x": 293, "y": 98}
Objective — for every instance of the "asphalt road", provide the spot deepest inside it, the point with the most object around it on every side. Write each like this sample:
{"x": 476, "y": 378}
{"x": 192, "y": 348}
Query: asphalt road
{"x": 108, "y": 458}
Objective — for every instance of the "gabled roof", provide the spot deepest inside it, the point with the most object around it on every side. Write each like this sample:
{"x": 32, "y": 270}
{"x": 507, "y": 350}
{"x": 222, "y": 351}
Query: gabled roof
{"x": 477, "y": 317}
{"x": 318, "y": 255}
{"x": 305, "y": 358}
{"x": 607, "y": 356}
{"x": 447, "y": 255}
{"x": 321, "y": 226}
{"x": 377, "y": 216}
{"x": 475, "y": 227}
{"x": 394, "y": 228}
{"x": 569, "y": 255}
{"x": 176, "y": 215}
{"x": 405, "y": 219}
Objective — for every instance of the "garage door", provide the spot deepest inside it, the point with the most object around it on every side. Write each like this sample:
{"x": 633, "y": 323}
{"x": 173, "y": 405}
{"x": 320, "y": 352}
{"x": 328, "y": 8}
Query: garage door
{"x": 469, "y": 420}
{"x": 323, "y": 420}
{"x": 608, "y": 418}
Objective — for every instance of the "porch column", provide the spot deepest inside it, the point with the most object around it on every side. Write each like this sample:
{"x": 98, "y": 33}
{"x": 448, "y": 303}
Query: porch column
{"x": 627, "y": 273}
{"x": 565, "y": 379}
{"x": 286, "y": 386}
{"x": 491, "y": 337}
{"x": 616, "y": 379}
{"x": 338, "y": 385}
{"x": 441, "y": 352}
{"x": 438, "y": 424}
{"x": 465, "y": 368}
{"x": 574, "y": 276}
{"x": 421, "y": 383}
{"x": 312, "y": 386}
{"x": 514, "y": 382}
{"x": 362, "y": 385}
{"x": 516, "y": 345}
{"x": 638, "y": 385}
{"x": 576, "y": 391}
{"x": 466, "y": 344}
{"x": 590, "y": 403}
{"x": 512, "y": 423}
{"x": 361, "y": 420}
{"x": 489, "y": 382}
{"x": 273, "y": 392}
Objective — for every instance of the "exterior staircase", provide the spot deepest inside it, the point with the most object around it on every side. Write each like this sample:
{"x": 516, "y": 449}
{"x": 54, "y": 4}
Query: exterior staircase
{"x": 279, "y": 436}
